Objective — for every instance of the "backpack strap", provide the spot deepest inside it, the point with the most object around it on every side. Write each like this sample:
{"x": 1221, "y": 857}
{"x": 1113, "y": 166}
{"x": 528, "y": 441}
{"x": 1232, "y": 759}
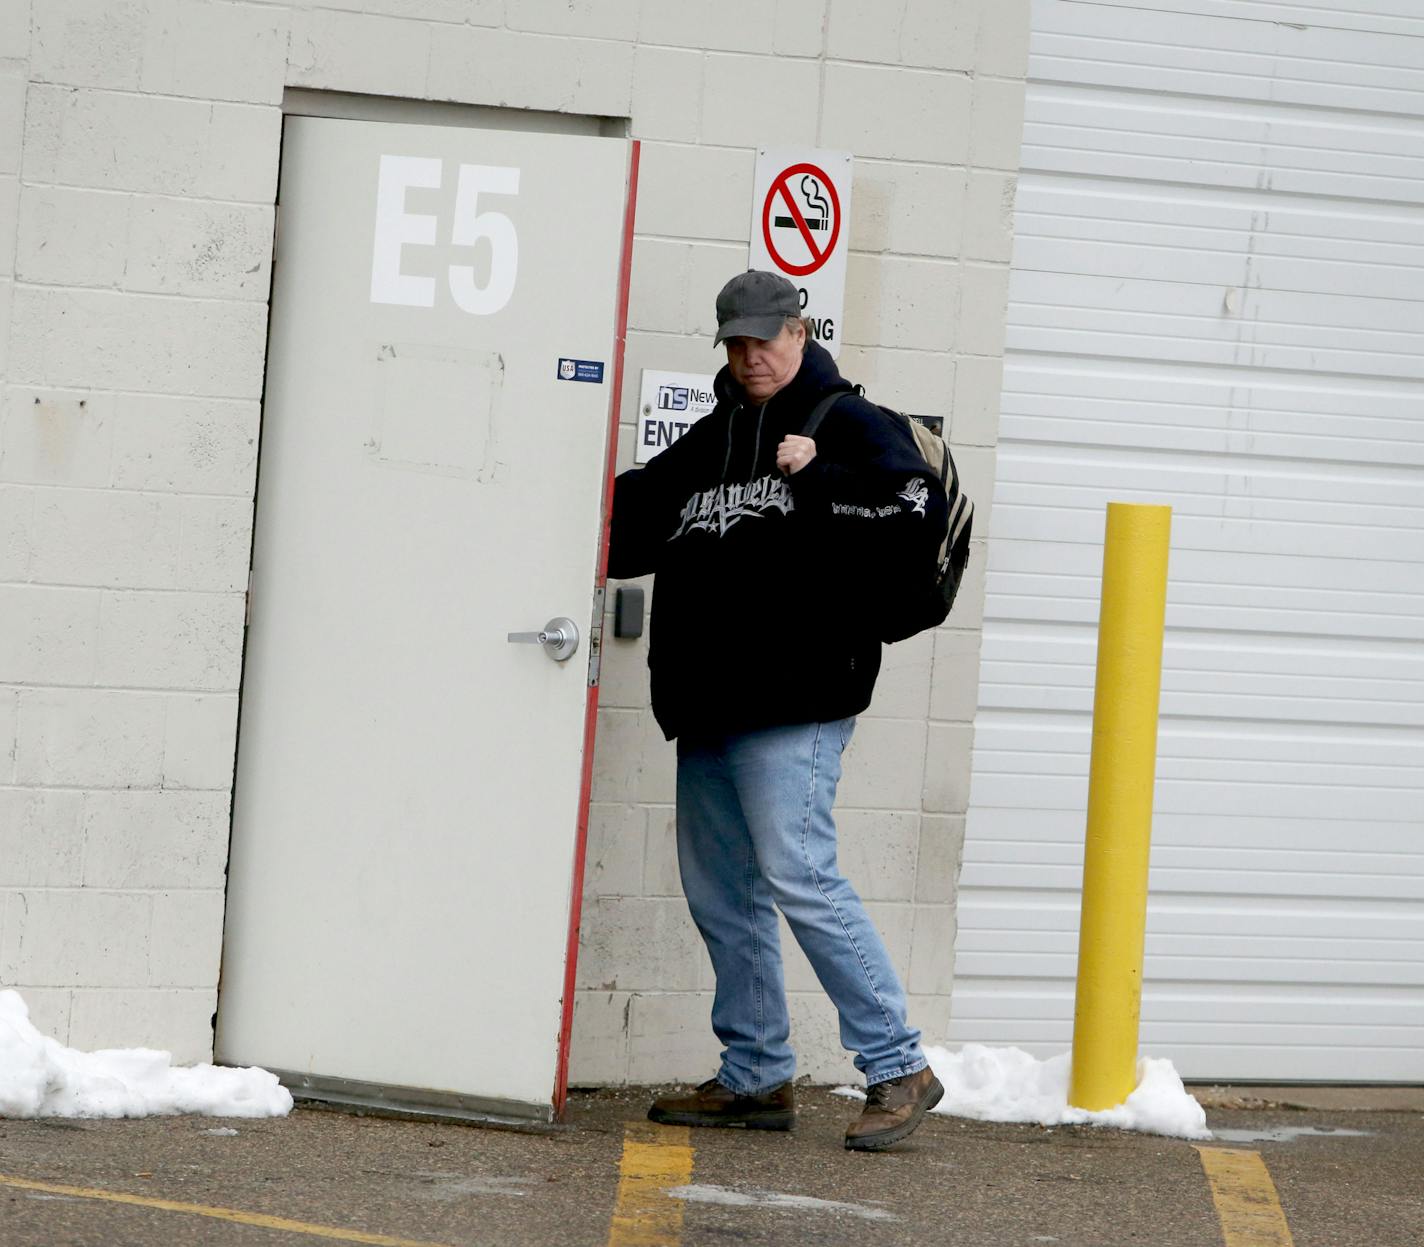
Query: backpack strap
{"x": 818, "y": 412}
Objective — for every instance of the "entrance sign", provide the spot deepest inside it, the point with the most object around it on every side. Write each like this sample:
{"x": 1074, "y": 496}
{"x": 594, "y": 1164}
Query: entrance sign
{"x": 669, "y": 404}
{"x": 801, "y": 228}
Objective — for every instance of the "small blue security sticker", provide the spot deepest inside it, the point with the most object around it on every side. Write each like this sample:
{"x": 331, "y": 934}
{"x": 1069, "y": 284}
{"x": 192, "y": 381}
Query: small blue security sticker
{"x": 581, "y": 370}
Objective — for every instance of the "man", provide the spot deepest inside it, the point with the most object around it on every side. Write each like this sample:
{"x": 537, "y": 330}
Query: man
{"x": 772, "y": 552}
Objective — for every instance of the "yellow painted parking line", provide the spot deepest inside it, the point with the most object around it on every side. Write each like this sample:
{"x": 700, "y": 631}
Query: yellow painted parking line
{"x": 654, "y": 1159}
{"x": 1245, "y": 1198}
{"x": 221, "y": 1214}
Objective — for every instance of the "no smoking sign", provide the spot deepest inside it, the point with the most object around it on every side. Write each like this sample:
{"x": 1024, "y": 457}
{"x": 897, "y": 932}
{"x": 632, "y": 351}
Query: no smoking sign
{"x": 801, "y": 229}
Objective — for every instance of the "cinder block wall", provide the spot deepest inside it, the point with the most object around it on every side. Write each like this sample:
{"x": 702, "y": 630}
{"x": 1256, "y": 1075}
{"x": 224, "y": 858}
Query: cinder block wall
{"x": 138, "y": 162}
{"x": 928, "y": 96}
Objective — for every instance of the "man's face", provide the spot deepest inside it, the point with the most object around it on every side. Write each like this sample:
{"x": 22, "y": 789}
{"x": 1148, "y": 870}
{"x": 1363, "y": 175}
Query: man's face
{"x": 762, "y": 366}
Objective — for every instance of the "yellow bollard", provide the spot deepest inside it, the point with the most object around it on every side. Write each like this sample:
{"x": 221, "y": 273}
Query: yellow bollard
{"x": 1124, "y": 763}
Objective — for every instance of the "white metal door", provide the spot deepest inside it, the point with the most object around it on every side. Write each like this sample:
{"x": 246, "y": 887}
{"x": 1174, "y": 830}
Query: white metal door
{"x": 433, "y": 462}
{"x": 1215, "y": 303}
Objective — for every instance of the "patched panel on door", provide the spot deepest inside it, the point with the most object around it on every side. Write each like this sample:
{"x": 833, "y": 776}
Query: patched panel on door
{"x": 437, "y": 409}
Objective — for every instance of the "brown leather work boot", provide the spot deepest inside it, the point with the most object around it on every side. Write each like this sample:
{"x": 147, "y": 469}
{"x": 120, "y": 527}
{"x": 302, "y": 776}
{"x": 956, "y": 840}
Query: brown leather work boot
{"x": 712, "y": 1104}
{"x": 893, "y": 1109}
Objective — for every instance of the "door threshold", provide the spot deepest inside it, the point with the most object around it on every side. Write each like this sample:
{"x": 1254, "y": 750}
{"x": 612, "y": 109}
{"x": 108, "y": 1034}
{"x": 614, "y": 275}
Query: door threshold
{"x": 352, "y": 1095}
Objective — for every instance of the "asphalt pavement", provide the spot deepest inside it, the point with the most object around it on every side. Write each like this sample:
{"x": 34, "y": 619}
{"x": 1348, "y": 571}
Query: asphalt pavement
{"x": 1287, "y": 1167}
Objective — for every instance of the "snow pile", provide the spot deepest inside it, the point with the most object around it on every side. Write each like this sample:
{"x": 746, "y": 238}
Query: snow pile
{"x": 1006, "y": 1084}
{"x": 39, "y": 1077}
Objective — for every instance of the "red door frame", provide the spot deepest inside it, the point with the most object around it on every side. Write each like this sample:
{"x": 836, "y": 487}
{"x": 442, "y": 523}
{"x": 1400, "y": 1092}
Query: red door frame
{"x": 566, "y": 1026}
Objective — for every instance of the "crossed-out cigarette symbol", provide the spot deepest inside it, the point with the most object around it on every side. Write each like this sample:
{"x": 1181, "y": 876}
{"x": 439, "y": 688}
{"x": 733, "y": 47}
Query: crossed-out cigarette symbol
{"x": 819, "y": 218}
{"x": 810, "y": 210}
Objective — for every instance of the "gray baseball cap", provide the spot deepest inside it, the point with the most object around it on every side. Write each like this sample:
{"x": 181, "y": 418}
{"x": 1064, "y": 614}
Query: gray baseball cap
{"x": 755, "y": 304}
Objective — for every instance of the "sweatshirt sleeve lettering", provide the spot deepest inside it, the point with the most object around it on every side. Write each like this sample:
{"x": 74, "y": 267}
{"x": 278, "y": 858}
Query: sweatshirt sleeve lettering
{"x": 869, "y": 471}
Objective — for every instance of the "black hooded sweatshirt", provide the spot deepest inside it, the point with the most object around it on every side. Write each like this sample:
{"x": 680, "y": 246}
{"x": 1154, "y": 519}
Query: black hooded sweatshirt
{"x": 767, "y": 586}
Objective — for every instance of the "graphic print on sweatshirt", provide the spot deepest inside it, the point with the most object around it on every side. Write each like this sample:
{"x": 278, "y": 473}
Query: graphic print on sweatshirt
{"x": 717, "y": 510}
{"x": 917, "y": 494}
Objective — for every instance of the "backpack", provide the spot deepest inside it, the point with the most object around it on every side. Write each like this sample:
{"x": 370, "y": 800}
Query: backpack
{"x": 926, "y": 602}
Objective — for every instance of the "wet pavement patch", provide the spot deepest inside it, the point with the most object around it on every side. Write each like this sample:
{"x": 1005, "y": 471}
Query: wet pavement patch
{"x": 456, "y": 1186}
{"x": 750, "y": 1198}
{"x": 1287, "y": 1134}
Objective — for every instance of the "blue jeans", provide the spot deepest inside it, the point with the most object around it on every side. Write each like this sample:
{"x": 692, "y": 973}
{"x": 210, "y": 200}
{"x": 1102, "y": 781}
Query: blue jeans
{"x": 754, "y": 829}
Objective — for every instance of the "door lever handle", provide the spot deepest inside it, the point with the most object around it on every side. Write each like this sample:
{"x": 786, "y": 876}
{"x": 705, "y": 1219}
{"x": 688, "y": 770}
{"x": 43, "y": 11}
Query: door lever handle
{"x": 559, "y": 637}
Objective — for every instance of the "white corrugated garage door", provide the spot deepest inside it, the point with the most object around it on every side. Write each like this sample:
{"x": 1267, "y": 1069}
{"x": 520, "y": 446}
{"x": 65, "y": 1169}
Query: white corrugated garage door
{"x": 1217, "y": 302}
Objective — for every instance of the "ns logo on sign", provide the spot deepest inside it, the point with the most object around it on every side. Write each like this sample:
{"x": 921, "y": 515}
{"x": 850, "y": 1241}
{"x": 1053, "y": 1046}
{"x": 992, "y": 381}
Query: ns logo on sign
{"x": 681, "y": 397}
